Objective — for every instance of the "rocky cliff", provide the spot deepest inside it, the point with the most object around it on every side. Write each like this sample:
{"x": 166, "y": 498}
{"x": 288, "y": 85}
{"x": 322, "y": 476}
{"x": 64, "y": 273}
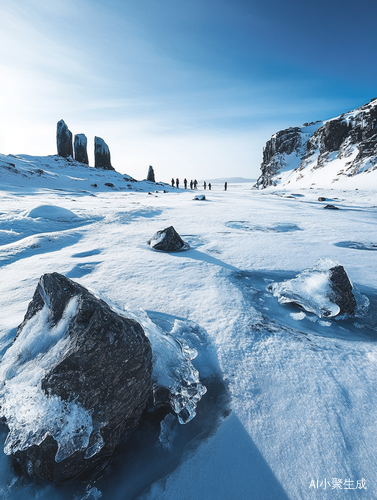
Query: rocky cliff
{"x": 321, "y": 153}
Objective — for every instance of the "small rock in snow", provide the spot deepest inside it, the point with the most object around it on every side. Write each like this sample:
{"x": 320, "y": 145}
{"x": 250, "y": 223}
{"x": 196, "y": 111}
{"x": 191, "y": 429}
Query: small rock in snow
{"x": 331, "y": 207}
{"x": 168, "y": 240}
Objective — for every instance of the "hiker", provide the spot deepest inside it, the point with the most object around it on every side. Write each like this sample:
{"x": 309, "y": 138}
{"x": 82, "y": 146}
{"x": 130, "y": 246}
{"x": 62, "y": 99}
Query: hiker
{"x": 172, "y": 183}
{"x": 209, "y": 186}
{"x": 225, "y": 186}
{"x": 205, "y": 185}
{"x": 191, "y": 184}
{"x": 195, "y": 184}
{"x": 177, "y": 182}
{"x": 185, "y": 183}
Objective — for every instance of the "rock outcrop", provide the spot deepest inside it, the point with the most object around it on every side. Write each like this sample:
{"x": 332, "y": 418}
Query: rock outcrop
{"x": 101, "y": 154}
{"x": 64, "y": 140}
{"x": 85, "y": 380}
{"x": 294, "y": 153}
{"x": 150, "y": 176}
{"x": 168, "y": 240}
{"x": 80, "y": 144}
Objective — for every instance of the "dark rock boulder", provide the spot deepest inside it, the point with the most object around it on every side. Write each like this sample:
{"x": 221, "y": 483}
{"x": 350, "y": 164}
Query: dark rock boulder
{"x": 150, "y": 176}
{"x": 105, "y": 370}
{"x": 341, "y": 291}
{"x": 101, "y": 154}
{"x": 331, "y": 207}
{"x": 168, "y": 240}
{"x": 321, "y": 198}
{"x": 81, "y": 153}
{"x": 64, "y": 140}
{"x": 324, "y": 290}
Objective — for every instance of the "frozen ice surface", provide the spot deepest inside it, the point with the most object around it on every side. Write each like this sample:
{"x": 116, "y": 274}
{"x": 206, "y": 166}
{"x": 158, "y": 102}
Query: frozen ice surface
{"x": 30, "y": 413}
{"x": 311, "y": 289}
{"x": 172, "y": 367}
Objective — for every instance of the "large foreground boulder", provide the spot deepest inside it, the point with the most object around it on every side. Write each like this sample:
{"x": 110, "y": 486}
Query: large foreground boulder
{"x": 168, "y": 240}
{"x": 75, "y": 380}
{"x": 324, "y": 290}
{"x": 64, "y": 140}
{"x": 102, "y": 154}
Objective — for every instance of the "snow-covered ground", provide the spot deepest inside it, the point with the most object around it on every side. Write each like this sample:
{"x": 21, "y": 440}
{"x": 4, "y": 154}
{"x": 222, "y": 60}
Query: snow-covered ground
{"x": 302, "y": 400}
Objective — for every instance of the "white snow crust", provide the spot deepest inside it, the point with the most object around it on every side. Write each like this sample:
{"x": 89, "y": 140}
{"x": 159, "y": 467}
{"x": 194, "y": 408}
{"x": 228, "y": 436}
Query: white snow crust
{"x": 51, "y": 212}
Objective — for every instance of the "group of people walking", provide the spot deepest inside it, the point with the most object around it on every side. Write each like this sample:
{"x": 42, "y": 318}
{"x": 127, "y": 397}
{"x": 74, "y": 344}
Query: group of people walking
{"x": 194, "y": 184}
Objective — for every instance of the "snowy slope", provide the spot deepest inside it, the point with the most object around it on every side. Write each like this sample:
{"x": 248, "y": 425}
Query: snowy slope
{"x": 32, "y": 173}
{"x": 301, "y": 391}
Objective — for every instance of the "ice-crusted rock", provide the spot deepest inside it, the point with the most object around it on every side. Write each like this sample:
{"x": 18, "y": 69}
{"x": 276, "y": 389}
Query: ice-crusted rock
{"x": 168, "y": 240}
{"x": 294, "y": 153}
{"x": 200, "y": 197}
{"x": 150, "y": 176}
{"x": 64, "y": 140}
{"x": 176, "y": 382}
{"x": 324, "y": 290}
{"x": 80, "y": 144}
{"x": 75, "y": 380}
{"x": 101, "y": 154}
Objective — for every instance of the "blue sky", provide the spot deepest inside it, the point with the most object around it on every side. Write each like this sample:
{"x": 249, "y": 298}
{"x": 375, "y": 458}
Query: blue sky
{"x": 194, "y": 88}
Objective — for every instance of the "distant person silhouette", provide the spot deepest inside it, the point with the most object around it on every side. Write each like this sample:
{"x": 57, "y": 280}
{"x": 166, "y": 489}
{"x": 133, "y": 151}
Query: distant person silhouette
{"x": 185, "y": 183}
{"x": 209, "y": 186}
{"x": 191, "y": 183}
{"x": 195, "y": 184}
{"x": 177, "y": 182}
{"x": 225, "y": 186}
{"x": 205, "y": 185}
{"x": 172, "y": 183}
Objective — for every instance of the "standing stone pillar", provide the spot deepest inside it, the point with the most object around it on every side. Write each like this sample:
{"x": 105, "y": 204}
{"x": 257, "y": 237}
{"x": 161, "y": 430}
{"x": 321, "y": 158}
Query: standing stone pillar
{"x": 80, "y": 144}
{"x": 101, "y": 154}
{"x": 150, "y": 176}
{"x": 64, "y": 140}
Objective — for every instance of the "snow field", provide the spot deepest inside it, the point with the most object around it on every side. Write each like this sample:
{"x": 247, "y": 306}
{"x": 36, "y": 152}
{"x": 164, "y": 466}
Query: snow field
{"x": 303, "y": 401}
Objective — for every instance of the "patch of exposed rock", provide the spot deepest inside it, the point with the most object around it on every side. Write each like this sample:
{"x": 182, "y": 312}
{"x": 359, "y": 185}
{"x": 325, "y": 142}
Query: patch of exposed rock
{"x": 102, "y": 154}
{"x": 81, "y": 152}
{"x": 150, "y": 176}
{"x": 64, "y": 140}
